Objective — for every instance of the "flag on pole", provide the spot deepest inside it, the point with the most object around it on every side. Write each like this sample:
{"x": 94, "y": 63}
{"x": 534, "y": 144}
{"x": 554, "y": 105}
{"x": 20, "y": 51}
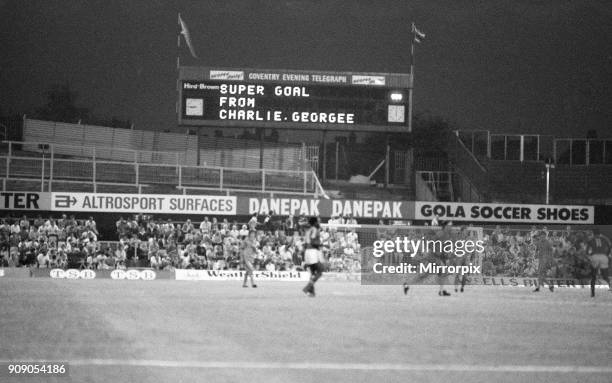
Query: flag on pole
{"x": 187, "y": 36}
{"x": 418, "y": 35}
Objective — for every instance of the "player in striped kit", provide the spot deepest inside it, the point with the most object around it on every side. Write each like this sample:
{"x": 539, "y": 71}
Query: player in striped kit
{"x": 443, "y": 258}
{"x": 544, "y": 251}
{"x": 599, "y": 249}
{"x": 464, "y": 260}
{"x": 313, "y": 257}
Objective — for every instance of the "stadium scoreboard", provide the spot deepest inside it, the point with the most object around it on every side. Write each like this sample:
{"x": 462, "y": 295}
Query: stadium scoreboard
{"x": 293, "y": 99}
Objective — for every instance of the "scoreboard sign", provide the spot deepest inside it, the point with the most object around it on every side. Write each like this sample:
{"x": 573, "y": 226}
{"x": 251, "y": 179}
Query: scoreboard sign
{"x": 293, "y": 99}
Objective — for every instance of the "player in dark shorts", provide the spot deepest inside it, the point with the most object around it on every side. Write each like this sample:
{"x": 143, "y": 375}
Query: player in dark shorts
{"x": 438, "y": 257}
{"x": 247, "y": 255}
{"x": 313, "y": 257}
{"x": 442, "y": 258}
{"x": 544, "y": 250}
{"x": 463, "y": 260}
{"x": 599, "y": 249}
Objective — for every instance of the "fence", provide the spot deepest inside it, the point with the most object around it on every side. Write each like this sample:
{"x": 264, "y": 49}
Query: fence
{"x": 571, "y": 151}
{"x": 464, "y": 163}
{"x": 520, "y": 147}
{"x": 507, "y": 147}
{"x": 110, "y": 143}
{"x": 48, "y": 172}
{"x": 440, "y": 184}
{"x": 536, "y": 147}
{"x": 403, "y": 166}
{"x": 241, "y": 153}
{"x": 515, "y": 169}
{"x": 164, "y": 148}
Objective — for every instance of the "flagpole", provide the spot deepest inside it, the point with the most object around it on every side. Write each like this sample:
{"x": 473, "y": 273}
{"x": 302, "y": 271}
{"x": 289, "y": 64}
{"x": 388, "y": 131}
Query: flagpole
{"x": 411, "y": 84}
{"x": 178, "y": 45}
{"x": 178, "y": 65}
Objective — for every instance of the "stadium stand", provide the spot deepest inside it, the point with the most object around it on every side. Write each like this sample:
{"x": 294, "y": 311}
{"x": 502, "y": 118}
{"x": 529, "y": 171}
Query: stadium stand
{"x": 146, "y": 241}
{"x": 474, "y": 166}
{"x": 143, "y": 241}
{"x": 113, "y": 165}
{"x": 511, "y": 168}
{"x": 160, "y": 147}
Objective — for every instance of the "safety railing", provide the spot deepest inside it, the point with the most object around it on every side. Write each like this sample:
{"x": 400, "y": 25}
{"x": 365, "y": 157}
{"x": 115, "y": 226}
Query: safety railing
{"x": 50, "y": 173}
{"x": 464, "y": 162}
{"x": 45, "y": 149}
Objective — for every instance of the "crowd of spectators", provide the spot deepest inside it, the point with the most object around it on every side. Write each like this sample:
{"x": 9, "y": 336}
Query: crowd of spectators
{"x": 146, "y": 241}
{"x": 51, "y": 242}
{"x": 216, "y": 245}
{"x": 511, "y": 252}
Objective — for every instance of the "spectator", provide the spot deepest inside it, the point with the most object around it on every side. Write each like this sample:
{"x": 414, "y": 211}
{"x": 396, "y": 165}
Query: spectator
{"x": 252, "y": 224}
{"x": 24, "y": 224}
{"x": 90, "y": 224}
{"x": 15, "y": 229}
{"x": 267, "y": 222}
{"x": 205, "y": 226}
{"x": 435, "y": 220}
{"x": 187, "y": 227}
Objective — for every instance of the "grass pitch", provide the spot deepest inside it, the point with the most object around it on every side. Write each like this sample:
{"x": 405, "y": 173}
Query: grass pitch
{"x": 176, "y": 331}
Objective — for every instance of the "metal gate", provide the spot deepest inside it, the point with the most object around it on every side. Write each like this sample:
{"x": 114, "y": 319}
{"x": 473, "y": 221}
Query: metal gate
{"x": 402, "y": 167}
{"x": 311, "y": 154}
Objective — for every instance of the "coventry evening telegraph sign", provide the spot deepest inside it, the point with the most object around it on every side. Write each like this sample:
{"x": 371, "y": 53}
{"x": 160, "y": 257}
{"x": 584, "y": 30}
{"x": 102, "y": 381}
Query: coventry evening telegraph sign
{"x": 293, "y": 99}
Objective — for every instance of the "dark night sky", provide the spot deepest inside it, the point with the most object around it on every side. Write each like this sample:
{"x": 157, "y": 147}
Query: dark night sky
{"x": 505, "y": 65}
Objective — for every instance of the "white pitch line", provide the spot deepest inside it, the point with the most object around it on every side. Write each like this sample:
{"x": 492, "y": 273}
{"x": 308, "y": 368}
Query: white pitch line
{"x": 335, "y": 366}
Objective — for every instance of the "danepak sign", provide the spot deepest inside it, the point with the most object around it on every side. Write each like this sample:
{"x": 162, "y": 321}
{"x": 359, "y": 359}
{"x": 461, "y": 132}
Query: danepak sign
{"x": 326, "y": 208}
{"x": 504, "y": 213}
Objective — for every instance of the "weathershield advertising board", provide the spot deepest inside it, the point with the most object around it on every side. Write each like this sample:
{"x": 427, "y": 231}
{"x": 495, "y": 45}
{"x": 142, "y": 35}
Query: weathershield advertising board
{"x": 238, "y": 275}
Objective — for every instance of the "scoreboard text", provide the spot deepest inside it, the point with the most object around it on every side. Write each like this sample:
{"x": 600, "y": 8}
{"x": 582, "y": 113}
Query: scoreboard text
{"x": 325, "y": 102}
